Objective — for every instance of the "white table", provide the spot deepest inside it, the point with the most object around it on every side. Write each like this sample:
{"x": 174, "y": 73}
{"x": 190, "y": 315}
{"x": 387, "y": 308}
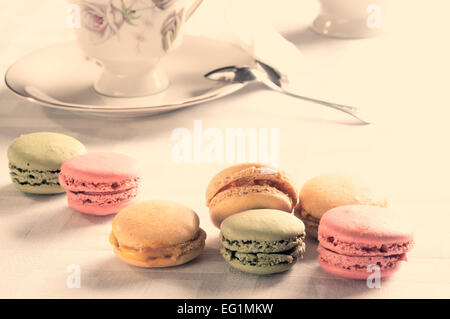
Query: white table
{"x": 407, "y": 153}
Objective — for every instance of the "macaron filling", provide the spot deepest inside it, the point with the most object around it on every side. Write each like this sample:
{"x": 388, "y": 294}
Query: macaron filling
{"x": 145, "y": 254}
{"x": 33, "y": 177}
{"x": 250, "y": 181}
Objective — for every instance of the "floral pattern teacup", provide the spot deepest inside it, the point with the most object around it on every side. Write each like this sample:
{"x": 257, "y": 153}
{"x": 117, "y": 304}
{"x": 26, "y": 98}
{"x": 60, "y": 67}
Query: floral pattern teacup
{"x": 129, "y": 38}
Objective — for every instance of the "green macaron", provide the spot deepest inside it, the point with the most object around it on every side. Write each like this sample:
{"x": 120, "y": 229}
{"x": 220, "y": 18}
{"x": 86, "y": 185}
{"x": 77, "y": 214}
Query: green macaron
{"x": 262, "y": 241}
{"x": 35, "y": 160}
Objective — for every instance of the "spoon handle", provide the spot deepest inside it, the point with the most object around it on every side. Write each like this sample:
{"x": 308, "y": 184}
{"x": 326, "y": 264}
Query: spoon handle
{"x": 353, "y": 111}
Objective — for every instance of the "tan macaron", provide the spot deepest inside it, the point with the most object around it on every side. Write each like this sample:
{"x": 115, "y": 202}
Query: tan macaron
{"x": 249, "y": 186}
{"x": 322, "y": 193}
{"x": 157, "y": 234}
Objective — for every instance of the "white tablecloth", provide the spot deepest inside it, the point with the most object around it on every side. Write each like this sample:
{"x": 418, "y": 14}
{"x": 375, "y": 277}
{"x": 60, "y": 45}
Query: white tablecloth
{"x": 403, "y": 77}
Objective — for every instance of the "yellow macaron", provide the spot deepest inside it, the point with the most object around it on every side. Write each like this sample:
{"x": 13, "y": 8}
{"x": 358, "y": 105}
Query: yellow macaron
{"x": 322, "y": 193}
{"x": 157, "y": 234}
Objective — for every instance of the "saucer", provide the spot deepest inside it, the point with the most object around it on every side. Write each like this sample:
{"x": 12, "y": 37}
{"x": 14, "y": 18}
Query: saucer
{"x": 62, "y": 77}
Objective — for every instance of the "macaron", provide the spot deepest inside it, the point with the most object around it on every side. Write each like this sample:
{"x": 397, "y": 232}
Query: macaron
{"x": 100, "y": 183}
{"x": 249, "y": 186}
{"x": 262, "y": 241}
{"x": 351, "y": 238}
{"x": 324, "y": 192}
{"x": 157, "y": 234}
{"x": 35, "y": 160}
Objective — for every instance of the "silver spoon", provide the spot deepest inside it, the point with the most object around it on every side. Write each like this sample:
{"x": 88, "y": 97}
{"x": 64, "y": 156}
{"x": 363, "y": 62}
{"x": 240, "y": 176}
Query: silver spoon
{"x": 276, "y": 81}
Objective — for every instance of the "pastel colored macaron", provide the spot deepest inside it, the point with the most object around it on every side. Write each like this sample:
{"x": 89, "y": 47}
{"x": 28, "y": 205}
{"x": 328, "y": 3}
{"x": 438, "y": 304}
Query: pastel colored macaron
{"x": 35, "y": 161}
{"x": 157, "y": 234}
{"x": 262, "y": 241}
{"x": 354, "y": 237}
{"x": 324, "y": 192}
{"x": 100, "y": 183}
{"x": 249, "y": 186}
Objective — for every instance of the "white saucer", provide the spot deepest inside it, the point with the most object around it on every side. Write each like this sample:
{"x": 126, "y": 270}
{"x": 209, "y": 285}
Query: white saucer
{"x": 62, "y": 77}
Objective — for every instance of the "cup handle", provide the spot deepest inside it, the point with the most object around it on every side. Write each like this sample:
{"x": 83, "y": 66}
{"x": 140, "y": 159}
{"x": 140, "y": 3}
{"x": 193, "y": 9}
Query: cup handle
{"x": 195, "y": 4}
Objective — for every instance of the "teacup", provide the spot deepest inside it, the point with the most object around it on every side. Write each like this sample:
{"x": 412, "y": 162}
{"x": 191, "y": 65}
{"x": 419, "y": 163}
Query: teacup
{"x": 351, "y": 18}
{"x": 129, "y": 38}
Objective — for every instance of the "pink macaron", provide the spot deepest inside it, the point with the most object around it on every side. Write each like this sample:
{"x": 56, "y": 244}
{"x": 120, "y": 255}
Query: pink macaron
{"x": 354, "y": 237}
{"x": 100, "y": 183}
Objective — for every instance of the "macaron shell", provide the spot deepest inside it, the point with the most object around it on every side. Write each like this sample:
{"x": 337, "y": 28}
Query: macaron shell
{"x": 40, "y": 189}
{"x": 311, "y": 229}
{"x": 68, "y": 182}
{"x": 235, "y": 200}
{"x": 356, "y": 267}
{"x": 262, "y": 225}
{"x": 250, "y": 172}
{"x": 311, "y": 223}
{"x": 99, "y": 198}
{"x": 365, "y": 231}
{"x": 35, "y": 160}
{"x": 153, "y": 224}
{"x": 43, "y": 150}
{"x": 161, "y": 262}
{"x": 229, "y": 174}
{"x": 255, "y": 246}
{"x": 104, "y": 167}
{"x": 101, "y": 205}
{"x": 100, "y": 183}
{"x": 34, "y": 181}
{"x": 262, "y": 241}
{"x": 324, "y": 192}
{"x": 260, "y": 270}
{"x": 263, "y": 259}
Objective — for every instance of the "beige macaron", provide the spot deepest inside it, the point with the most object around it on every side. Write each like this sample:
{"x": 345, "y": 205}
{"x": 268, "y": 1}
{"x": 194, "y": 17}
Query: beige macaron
{"x": 249, "y": 186}
{"x": 322, "y": 193}
{"x": 157, "y": 234}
